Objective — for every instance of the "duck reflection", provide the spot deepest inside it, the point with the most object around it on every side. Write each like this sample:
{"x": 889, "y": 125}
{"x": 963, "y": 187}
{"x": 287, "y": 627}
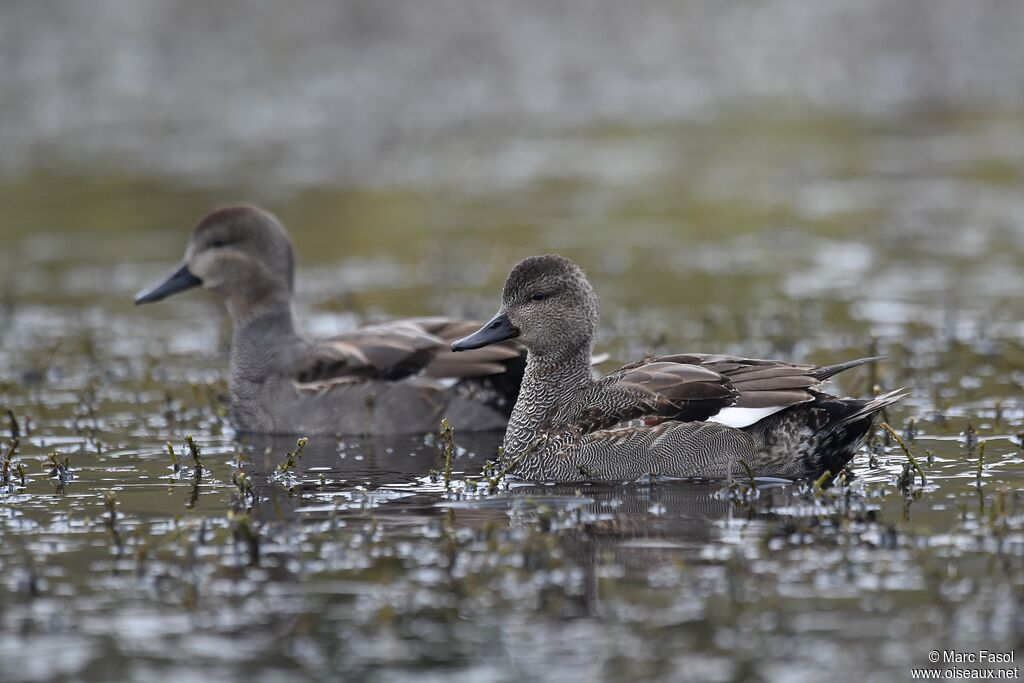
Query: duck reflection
{"x": 597, "y": 529}
{"x": 381, "y": 468}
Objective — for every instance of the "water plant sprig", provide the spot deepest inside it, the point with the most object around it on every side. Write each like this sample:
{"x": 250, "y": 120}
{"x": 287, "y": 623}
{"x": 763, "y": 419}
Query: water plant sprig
{"x": 447, "y": 437}
{"x": 110, "y": 503}
{"x": 13, "y": 426}
{"x": 8, "y": 461}
{"x": 821, "y": 482}
{"x": 58, "y": 469}
{"x": 492, "y": 484}
{"x": 970, "y": 435}
{"x": 736, "y": 489}
{"x": 906, "y": 450}
{"x": 193, "y": 448}
{"x": 291, "y": 459}
{"x": 247, "y": 496}
{"x": 981, "y": 463}
{"x": 175, "y": 463}
{"x": 750, "y": 474}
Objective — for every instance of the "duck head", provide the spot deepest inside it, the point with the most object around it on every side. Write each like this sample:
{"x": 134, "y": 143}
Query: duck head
{"x": 548, "y": 305}
{"x": 240, "y": 253}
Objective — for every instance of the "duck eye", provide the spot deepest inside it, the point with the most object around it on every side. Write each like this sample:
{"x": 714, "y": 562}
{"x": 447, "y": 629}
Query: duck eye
{"x": 218, "y": 244}
{"x": 539, "y": 296}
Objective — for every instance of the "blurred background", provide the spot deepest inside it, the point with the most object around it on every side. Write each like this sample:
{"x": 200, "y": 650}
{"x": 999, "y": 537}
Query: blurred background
{"x": 704, "y": 157}
{"x": 806, "y": 180}
{"x": 713, "y": 160}
{"x": 482, "y": 96}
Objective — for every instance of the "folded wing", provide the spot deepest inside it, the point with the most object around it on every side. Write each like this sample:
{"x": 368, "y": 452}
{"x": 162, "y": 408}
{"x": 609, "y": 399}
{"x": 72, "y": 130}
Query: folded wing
{"x": 693, "y": 387}
{"x": 654, "y": 390}
{"x": 398, "y": 350}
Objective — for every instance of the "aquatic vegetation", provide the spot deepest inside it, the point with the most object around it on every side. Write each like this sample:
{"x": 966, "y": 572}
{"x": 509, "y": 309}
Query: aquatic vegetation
{"x": 246, "y": 493}
{"x": 175, "y": 463}
{"x": 911, "y": 460}
{"x": 446, "y": 436}
{"x": 193, "y": 449}
{"x": 110, "y": 504}
{"x": 291, "y": 459}
{"x": 13, "y": 426}
{"x": 7, "y": 464}
{"x": 59, "y": 470}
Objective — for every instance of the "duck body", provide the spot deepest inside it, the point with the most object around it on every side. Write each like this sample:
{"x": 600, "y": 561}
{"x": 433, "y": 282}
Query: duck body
{"x": 614, "y": 430}
{"x": 398, "y": 377}
{"x": 699, "y": 416}
{"x": 281, "y": 383}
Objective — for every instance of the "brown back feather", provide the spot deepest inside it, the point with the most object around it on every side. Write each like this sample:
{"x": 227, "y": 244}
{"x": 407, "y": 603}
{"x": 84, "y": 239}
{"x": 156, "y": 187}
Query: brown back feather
{"x": 400, "y": 349}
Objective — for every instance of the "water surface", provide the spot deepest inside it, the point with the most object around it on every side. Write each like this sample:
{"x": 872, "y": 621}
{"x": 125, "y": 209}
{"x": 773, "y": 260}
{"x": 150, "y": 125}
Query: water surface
{"x": 815, "y": 238}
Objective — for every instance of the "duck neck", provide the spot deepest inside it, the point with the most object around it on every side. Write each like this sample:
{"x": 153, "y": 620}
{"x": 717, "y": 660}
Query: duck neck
{"x": 548, "y": 383}
{"x": 258, "y": 303}
{"x": 264, "y": 338}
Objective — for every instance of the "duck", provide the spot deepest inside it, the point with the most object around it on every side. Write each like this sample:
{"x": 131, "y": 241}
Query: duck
{"x": 395, "y": 377}
{"x": 688, "y": 415}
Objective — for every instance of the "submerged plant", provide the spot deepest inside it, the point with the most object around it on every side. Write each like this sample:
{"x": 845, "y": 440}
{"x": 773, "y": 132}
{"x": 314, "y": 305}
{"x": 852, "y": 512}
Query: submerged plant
{"x": 910, "y": 431}
{"x": 447, "y": 437}
{"x": 58, "y": 469}
{"x": 511, "y": 467}
{"x": 970, "y": 436}
{"x": 193, "y": 448}
{"x": 981, "y": 463}
{"x": 245, "y": 532}
{"x": 740, "y": 490}
{"x": 110, "y": 503}
{"x": 13, "y": 426}
{"x": 5, "y": 472}
{"x": 244, "y": 488}
{"x": 175, "y": 463}
{"x": 905, "y": 482}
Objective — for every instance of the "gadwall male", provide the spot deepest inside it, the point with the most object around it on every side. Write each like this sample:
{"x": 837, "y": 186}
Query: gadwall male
{"x": 392, "y": 378}
{"x": 688, "y": 415}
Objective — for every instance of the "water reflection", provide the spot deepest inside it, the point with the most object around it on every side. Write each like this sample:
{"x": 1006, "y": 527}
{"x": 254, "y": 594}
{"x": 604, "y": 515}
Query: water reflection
{"x": 371, "y": 462}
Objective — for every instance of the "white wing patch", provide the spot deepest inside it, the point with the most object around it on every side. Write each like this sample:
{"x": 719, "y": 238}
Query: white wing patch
{"x": 743, "y": 417}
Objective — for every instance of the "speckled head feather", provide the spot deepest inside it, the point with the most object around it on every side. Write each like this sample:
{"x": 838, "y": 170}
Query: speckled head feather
{"x": 550, "y": 301}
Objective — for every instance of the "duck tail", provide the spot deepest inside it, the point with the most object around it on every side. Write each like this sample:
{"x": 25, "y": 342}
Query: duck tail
{"x": 849, "y": 420}
{"x": 827, "y": 371}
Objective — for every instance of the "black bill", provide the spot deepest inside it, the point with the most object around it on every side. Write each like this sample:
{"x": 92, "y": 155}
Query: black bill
{"x": 178, "y": 281}
{"x": 498, "y": 329}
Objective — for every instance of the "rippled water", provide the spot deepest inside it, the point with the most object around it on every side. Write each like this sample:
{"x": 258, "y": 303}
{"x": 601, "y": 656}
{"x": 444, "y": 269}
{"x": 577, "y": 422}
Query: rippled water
{"x": 813, "y": 239}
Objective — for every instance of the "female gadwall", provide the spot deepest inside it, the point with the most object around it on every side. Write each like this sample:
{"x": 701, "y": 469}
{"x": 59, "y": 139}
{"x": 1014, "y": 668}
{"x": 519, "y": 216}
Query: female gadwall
{"x": 688, "y": 415}
{"x": 391, "y": 378}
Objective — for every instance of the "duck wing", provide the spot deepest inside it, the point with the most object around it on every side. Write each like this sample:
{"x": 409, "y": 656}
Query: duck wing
{"x": 764, "y": 386}
{"x": 445, "y": 363}
{"x": 764, "y": 383}
{"x": 760, "y": 383}
{"x": 654, "y": 390}
{"x": 397, "y": 350}
{"x": 687, "y": 387}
